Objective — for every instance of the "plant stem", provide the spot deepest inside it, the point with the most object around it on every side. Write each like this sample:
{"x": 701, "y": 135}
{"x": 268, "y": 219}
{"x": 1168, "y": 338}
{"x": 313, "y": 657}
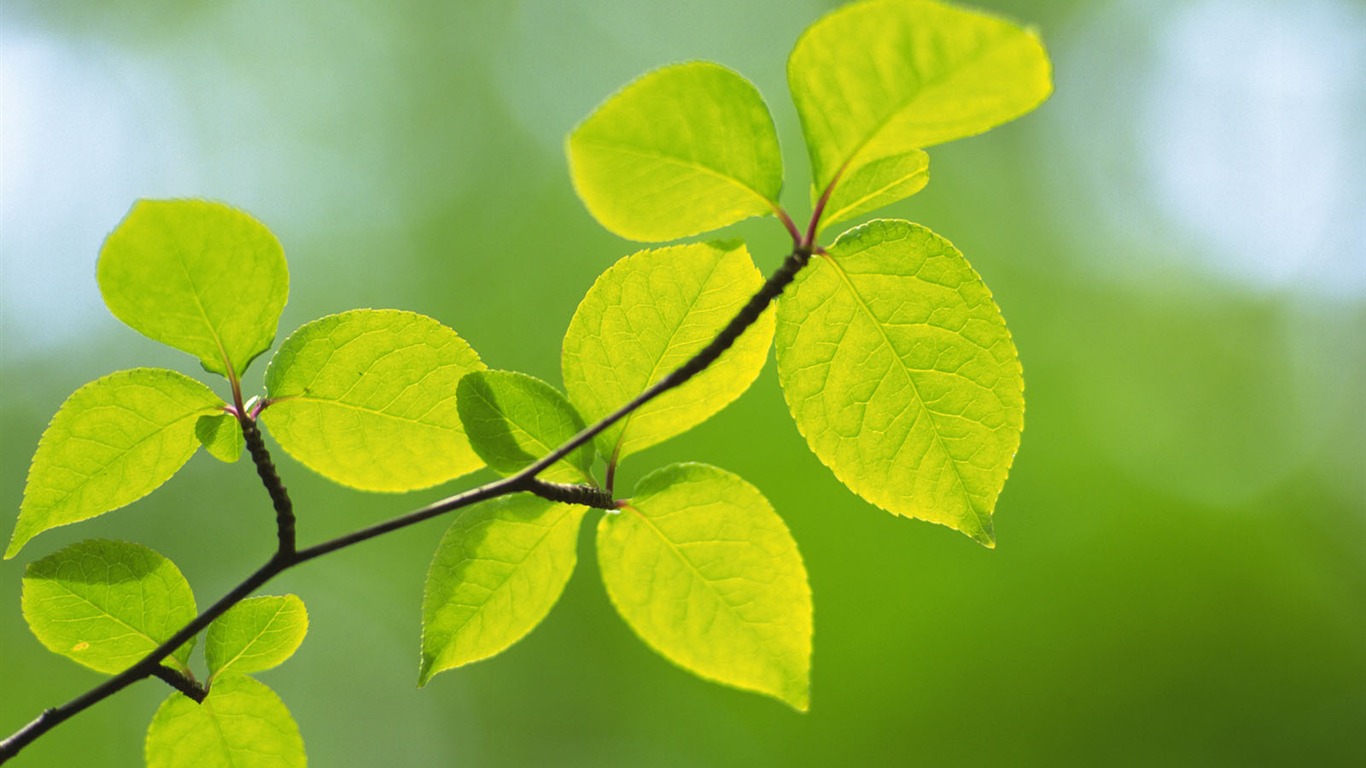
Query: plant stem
{"x": 265, "y": 469}
{"x": 287, "y": 556}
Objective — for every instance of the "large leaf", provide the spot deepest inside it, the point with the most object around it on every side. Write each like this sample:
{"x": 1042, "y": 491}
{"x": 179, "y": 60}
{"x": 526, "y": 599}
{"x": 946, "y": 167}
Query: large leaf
{"x": 513, "y": 419}
{"x": 199, "y": 276}
{"x": 240, "y": 724}
{"x": 875, "y": 81}
{"x": 901, "y": 374}
{"x": 707, "y": 574}
{"x": 256, "y": 634}
{"x": 646, "y": 316}
{"x": 684, "y": 149}
{"x": 367, "y": 398}
{"x": 107, "y": 604}
{"x": 496, "y": 574}
{"x": 112, "y": 442}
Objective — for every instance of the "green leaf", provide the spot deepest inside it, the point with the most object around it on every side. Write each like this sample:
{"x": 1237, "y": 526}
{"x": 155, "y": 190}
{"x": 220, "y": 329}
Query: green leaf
{"x": 513, "y": 419}
{"x": 199, "y": 276}
{"x": 647, "y": 315}
{"x": 901, "y": 375}
{"x": 874, "y": 81}
{"x": 875, "y": 184}
{"x": 107, "y": 604}
{"x": 112, "y": 442}
{"x": 254, "y": 635}
{"x": 240, "y": 724}
{"x": 496, "y": 574}
{"x": 367, "y": 399}
{"x": 220, "y": 435}
{"x": 707, "y": 574}
{"x": 682, "y": 150}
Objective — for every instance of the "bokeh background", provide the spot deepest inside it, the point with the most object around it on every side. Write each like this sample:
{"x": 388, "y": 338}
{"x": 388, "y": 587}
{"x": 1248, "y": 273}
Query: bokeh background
{"x": 1176, "y": 238}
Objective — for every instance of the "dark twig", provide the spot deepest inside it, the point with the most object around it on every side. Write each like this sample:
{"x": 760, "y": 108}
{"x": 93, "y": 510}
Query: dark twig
{"x": 265, "y": 468}
{"x": 181, "y": 682}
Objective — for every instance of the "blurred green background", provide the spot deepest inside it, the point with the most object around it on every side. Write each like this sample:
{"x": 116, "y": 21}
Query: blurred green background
{"x": 1176, "y": 238}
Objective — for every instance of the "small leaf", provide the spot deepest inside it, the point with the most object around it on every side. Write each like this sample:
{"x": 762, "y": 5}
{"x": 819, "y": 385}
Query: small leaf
{"x": 708, "y": 575}
{"x": 240, "y": 724}
{"x": 220, "y": 435}
{"x": 497, "y": 572}
{"x": 513, "y": 419}
{"x": 112, "y": 442}
{"x": 901, "y": 375}
{"x": 875, "y": 184}
{"x": 367, "y": 399}
{"x": 682, "y": 150}
{"x": 107, "y": 604}
{"x": 254, "y": 635}
{"x": 645, "y": 316}
{"x": 199, "y": 276}
{"x": 874, "y": 81}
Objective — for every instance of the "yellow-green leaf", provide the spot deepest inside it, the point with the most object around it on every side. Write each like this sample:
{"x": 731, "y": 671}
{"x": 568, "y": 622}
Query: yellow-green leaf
{"x": 254, "y": 635}
{"x": 645, "y": 316}
{"x": 199, "y": 276}
{"x": 112, "y": 442}
{"x": 107, "y": 604}
{"x": 708, "y": 575}
{"x": 513, "y": 419}
{"x": 496, "y": 574}
{"x": 367, "y": 398}
{"x": 221, "y": 436}
{"x": 877, "y": 80}
{"x": 900, "y": 373}
{"x": 240, "y": 724}
{"x": 682, "y": 150}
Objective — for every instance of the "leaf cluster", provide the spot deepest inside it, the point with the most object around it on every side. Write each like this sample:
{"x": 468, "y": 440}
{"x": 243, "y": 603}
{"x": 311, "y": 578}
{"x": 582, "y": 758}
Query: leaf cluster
{"x": 893, "y": 358}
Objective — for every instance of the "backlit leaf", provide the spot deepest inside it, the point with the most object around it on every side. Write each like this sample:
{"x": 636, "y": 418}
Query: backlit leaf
{"x": 707, "y": 574}
{"x": 220, "y": 435}
{"x": 112, "y": 442}
{"x": 199, "y": 276}
{"x": 256, "y": 634}
{"x": 497, "y": 573}
{"x": 901, "y": 375}
{"x": 367, "y": 398}
{"x": 107, "y": 604}
{"x": 513, "y": 419}
{"x": 874, "y": 81}
{"x": 647, "y": 315}
{"x": 877, "y": 183}
{"x": 241, "y": 724}
{"x": 682, "y": 150}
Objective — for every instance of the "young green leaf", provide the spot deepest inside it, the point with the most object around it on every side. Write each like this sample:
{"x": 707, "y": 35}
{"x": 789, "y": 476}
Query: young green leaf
{"x": 876, "y": 183}
{"x": 107, "y": 604}
{"x": 647, "y": 315}
{"x": 198, "y": 276}
{"x": 496, "y": 574}
{"x": 901, "y": 375}
{"x": 875, "y": 81}
{"x": 682, "y": 150}
{"x": 254, "y": 635}
{"x": 367, "y": 399}
{"x": 112, "y": 442}
{"x": 707, "y": 574}
{"x": 240, "y": 724}
{"x": 513, "y": 419}
{"x": 221, "y": 436}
